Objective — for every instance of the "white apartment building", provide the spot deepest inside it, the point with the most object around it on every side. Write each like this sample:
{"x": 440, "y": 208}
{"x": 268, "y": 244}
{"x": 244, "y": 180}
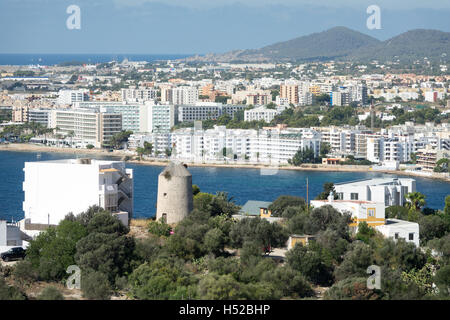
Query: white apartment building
{"x": 139, "y": 95}
{"x": 88, "y": 126}
{"x": 156, "y": 117}
{"x": 129, "y": 111}
{"x": 390, "y": 149}
{"x": 262, "y": 146}
{"x": 161, "y": 141}
{"x": 260, "y": 113}
{"x": 340, "y": 98}
{"x": 184, "y": 95}
{"x": 66, "y": 97}
{"x": 305, "y": 99}
{"x": 390, "y": 192}
{"x": 205, "y": 111}
{"x": 58, "y": 187}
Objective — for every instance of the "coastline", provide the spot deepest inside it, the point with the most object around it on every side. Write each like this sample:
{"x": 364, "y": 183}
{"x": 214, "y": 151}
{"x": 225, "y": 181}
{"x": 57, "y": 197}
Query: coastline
{"x": 21, "y": 147}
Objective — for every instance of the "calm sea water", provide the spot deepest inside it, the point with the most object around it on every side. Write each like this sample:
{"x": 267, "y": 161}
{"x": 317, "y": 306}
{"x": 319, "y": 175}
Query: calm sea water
{"x": 52, "y": 59}
{"x": 241, "y": 184}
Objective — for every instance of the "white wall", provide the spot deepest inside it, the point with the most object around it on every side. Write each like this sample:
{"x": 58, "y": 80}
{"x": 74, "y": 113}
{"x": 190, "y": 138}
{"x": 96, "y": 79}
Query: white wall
{"x": 53, "y": 190}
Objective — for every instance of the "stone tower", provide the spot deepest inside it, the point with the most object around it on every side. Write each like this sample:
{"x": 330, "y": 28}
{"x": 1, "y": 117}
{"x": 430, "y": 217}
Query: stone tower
{"x": 175, "y": 199}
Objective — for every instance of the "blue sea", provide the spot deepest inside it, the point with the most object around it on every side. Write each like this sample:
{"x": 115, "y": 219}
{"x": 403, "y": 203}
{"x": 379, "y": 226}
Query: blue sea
{"x": 241, "y": 184}
{"x": 53, "y": 59}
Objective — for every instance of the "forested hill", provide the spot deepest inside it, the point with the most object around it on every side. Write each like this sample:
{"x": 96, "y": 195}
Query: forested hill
{"x": 341, "y": 43}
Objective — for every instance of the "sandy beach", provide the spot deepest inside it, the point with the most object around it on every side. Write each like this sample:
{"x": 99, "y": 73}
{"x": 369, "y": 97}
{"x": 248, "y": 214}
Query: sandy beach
{"x": 22, "y": 147}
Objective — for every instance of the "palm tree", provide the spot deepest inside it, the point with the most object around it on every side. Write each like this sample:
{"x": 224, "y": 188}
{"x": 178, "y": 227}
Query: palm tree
{"x": 416, "y": 200}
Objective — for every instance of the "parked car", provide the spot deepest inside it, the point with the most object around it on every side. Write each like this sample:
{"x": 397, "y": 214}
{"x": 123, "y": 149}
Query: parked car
{"x": 13, "y": 254}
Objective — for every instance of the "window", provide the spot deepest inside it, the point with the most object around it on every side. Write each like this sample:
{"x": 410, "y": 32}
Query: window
{"x": 340, "y": 195}
{"x": 411, "y": 236}
{"x": 353, "y": 196}
{"x": 371, "y": 212}
{"x": 396, "y": 236}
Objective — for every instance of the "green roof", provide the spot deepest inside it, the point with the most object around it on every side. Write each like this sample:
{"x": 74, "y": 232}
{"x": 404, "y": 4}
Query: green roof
{"x": 252, "y": 207}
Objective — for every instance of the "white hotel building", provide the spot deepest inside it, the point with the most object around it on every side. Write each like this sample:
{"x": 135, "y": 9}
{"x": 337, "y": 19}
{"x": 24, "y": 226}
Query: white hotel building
{"x": 128, "y": 111}
{"x": 67, "y": 96}
{"x": 262, "y": 146}
{"x": 184, "y": 95}
{"x": 205, "y": 111}
{"x": 260, "y": 113}
{"x": 89, "y": 126}
{"x": 55, "y": 188}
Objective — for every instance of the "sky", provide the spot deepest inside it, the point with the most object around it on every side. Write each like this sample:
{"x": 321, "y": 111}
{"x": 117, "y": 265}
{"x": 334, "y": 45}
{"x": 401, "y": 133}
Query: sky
{"x": 198, "y": 26}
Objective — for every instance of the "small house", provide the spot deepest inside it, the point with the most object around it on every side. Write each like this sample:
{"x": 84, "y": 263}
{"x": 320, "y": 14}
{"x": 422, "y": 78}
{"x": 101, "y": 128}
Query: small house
{"x": 256, "y": 209}
{"x": 295, "y": 238}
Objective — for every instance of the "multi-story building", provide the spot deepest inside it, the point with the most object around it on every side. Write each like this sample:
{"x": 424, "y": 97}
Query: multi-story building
{"x": 66, "y": 97}
{"x": 340, "y": 98}
{"x": 56, "y": 188}
{"x": 258, "y": 99}
{"x": 373, "y": 213}
{"x": 390, "y": 192}
{"x": 184, "y": 95}
{"x": 264, "y": 146}
{"x": 157, "y": 117}
{"x": 41, "y": 116}
{"x": 130, "y": 112}
{"x": 289, "y": 91}
{"x": 30, "y": 114}
{"x": 87, "y": 125}
{"x": 135, "y": 95}
{"x": 205, "y": 111}
{"x": 428, "y": 157}
{"x": 260, "y": 113}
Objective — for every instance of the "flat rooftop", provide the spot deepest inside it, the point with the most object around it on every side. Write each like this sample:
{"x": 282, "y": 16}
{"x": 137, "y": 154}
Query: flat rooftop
{"x": 77, "y": 161}
{"x": 399, "y": 223}
{"x": 375, "y": 182}
{"x": 345, "y": 201}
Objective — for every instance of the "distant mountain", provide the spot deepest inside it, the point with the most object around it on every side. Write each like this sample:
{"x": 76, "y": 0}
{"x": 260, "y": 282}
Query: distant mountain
{"x": 410, "y": 45}
{"x": 331, "y": 44}
{"x": 341, "y": 43}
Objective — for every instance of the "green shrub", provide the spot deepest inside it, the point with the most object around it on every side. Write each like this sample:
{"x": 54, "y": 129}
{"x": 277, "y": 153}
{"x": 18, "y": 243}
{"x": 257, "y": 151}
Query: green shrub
{"x": 9, "y": 292}
{"x": 50, "y": 293}
{"x": 24, "y": 273}
{"x": 351, "y": 289}
{"x": 95, "y": 286}
{"x": 159, "y": 228}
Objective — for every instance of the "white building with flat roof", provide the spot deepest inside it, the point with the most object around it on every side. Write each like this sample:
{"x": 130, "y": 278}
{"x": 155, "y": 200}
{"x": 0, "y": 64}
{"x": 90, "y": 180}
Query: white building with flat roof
{"x": 87, "y": 125}
{"x": 55, "y": 188}
{"x": 67, "y": 96}
{"x": 373, "y": 213}
{"x": 260, "y": 113}
{"x": 389, "y": 191}
{"x": 400, "y": 229}
{"x": 128, "y": 110}
{"x": 10, "y": 236}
